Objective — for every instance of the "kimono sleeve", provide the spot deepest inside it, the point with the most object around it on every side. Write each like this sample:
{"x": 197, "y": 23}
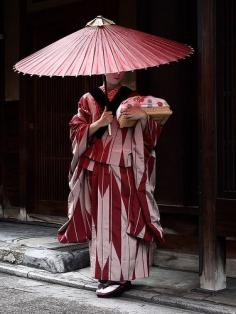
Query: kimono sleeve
{"x": 78, "y": 227}
{"x": 145, "y": 222}
{"x": 79, "y": 126}
{"x": 79, "y": 133}
{"x": 151, "y": 133}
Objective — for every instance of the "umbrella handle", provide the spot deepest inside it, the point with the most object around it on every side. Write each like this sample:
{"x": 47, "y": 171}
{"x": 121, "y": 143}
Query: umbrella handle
{"x": 105, "y": 85}
{"x": 109, "y": 129}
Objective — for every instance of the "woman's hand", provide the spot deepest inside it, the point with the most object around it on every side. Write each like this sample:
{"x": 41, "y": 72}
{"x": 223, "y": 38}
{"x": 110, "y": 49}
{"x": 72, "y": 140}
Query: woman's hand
{"x": 134, "y": 113}
{"x": 105, "y": 119}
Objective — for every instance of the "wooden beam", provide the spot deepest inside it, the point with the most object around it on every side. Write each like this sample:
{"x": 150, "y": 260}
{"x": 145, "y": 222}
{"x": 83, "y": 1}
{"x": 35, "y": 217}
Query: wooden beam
{"x": 212, "y": 248}
{"x": 24, "y": 90}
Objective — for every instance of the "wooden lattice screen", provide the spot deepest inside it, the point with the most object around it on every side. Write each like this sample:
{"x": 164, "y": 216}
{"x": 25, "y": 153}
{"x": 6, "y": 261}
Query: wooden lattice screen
{"x": 49, "y": 104}
{"x": 55, "y": 102}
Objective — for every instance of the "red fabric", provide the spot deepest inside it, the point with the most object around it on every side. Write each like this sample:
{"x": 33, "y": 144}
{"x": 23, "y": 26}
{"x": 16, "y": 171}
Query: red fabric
{"x": 131, "y": 147}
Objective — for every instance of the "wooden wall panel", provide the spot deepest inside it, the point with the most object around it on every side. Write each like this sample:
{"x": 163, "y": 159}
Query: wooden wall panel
{"x": 55, "y": 101}
{"x": 177, "y": 150}
{"x": 226, "y": 97}
{"x": 10, "y": 152}
{"x": 226, "y": 117}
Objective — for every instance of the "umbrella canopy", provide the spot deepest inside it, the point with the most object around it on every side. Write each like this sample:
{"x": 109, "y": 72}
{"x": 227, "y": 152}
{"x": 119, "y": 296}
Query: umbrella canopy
{"x": 102, "y": 47}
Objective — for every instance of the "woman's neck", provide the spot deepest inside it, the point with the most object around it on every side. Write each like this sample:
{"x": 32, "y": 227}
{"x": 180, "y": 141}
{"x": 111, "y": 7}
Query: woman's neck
{"x": 110, "y": 86}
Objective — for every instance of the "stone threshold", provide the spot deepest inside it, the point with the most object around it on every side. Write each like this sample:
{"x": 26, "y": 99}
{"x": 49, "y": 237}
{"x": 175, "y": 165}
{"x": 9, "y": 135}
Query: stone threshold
{"x": 52, "y": 260}
{"x": 37, "y": 246}
{"x": 186, "y": 261}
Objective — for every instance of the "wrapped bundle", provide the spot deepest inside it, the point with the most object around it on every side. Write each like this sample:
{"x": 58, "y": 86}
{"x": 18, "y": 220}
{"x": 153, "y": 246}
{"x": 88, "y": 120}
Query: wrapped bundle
{"x": 157, "y": 108}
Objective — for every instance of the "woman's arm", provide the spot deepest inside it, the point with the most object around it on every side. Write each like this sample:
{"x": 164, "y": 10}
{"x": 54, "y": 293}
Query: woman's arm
{"x": 105, "y": 119}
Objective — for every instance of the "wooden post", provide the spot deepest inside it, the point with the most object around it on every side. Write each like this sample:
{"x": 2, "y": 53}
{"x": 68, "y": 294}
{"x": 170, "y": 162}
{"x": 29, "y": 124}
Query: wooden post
{"x": 212, "y": 248}
{"x": 2, "y": 96}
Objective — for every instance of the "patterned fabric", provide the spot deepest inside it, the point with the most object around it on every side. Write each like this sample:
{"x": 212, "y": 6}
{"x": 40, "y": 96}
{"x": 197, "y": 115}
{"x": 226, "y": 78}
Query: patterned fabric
{"x": 111, "y": 203}
{"x": 114, "y": 254}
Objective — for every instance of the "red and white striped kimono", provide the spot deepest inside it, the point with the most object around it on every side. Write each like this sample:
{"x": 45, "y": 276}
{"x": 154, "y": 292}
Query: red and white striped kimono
{"x": 111, "y": 203}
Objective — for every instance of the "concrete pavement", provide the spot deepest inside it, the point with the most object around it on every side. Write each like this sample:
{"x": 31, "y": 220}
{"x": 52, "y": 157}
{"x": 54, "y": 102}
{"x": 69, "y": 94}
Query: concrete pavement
{"x": 20, "y": 295}
{"x": 164, "y": 287}
{"x": 167, "y": 287}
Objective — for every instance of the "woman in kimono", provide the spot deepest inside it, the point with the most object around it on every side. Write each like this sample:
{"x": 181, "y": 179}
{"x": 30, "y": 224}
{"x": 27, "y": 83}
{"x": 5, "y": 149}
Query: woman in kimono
{"x": 112, "y": 179}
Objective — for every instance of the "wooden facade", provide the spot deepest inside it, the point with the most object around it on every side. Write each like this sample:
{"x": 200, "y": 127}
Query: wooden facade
{"x": 196, "y": 155}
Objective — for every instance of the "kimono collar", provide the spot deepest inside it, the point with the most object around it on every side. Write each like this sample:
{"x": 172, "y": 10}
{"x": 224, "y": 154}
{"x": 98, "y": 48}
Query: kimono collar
{"x": 100, "y": 97}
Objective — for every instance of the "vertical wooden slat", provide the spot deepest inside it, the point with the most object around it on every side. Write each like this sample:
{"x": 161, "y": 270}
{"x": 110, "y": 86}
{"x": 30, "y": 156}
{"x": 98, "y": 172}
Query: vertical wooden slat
{"x": 44, "y": 137}
{"x": 233, "y": 88}
{"x": 2, "y": 96}
{"x": 212, "y": 254}
{"x": 177, "y": 173}
{"x": 55, "y": 102}
{"x": 226, "y": 98}
{"x": 25, "y": 128}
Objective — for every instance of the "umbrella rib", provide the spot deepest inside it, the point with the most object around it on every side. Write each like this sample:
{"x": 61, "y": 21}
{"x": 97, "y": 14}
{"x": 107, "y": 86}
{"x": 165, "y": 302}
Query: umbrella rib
{"x": 99, "y": 50}
{"x": 176, "y": 56}
{"x": 79, "y": 50}
{"x": 52, "y": 55}
{"x": 166, "y": 46}
{"x": 37, "y": 55}
{"x": 111, "y": 49}
{"x": 39, "y": 61}
{"x": 128, "y": 50}
{"x": 152, "y": 38}
{"x": 94, "y": 53}
{"x": 167, "y": 42}
{"x": 88, "y": 47}
{"x": 126, "y": 44}
{"x": 118, "y": 48}
{"x": 104, "y": 63}
{"x": 78, "y": 41}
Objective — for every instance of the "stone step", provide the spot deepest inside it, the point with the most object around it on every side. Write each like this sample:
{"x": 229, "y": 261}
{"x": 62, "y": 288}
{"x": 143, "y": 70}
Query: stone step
{"x": 37, "y": 246}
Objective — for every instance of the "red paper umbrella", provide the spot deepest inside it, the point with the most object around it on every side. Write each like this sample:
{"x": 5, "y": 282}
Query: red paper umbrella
{"x": 102, "y": 47}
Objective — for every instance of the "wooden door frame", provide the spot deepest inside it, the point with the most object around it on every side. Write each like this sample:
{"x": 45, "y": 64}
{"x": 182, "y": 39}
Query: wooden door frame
{"x": 212, "y": 247}
{"x": 2, "y": 90}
